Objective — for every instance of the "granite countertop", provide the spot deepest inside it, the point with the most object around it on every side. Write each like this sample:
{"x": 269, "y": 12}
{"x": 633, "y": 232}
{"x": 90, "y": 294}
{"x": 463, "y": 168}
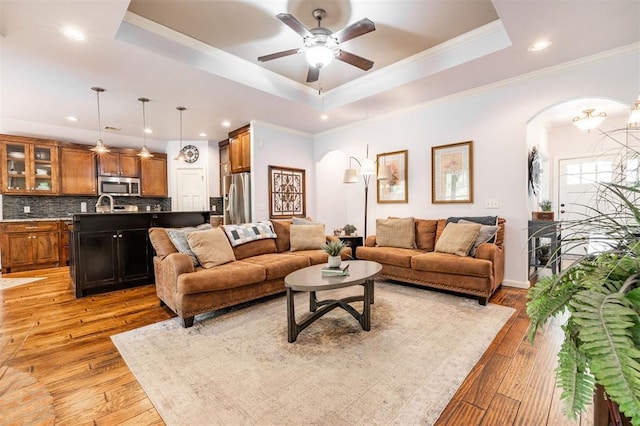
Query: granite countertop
{"x": 71, "y": 215}
{"x": 37, "y": 219}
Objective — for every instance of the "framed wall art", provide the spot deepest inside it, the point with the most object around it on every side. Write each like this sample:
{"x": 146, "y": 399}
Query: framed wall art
{"x": 396, "y": 188}
{"x": 452, "y": 173}
{"x": 287, "y": 197}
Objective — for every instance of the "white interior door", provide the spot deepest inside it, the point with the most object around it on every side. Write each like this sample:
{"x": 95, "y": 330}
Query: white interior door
{"x": 191, "y": 190}
{"x": 577, "y": 194}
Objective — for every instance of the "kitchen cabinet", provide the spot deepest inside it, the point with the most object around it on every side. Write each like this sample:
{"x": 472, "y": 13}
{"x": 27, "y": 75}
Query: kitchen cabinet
{"x": 112, "y": 251}
{"x": 240, "y": 150}
{"x": 29, "y": 245}
{"x": 119, "y": 164}
{"x": 66, "y": 226}
{"x": 28, "y": 168}
{"x": 114, "y": 257}
{"x": 77, "y": 172}
{"x": 154, "y": 176}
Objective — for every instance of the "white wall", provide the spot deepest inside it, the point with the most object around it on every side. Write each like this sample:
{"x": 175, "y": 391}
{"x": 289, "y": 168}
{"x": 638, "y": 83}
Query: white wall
{"x": 495, "y": 119}
{"x": 276, "y": 146}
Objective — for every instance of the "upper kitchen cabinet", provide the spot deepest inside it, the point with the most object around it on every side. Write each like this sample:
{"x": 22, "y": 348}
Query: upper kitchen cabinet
{"x": 77, "y": 172}
{"x": 240, "y": 150}
{"x": 119, "y": 164}
{"x": 30, "y": 166}
{"x": 153, "y": 177}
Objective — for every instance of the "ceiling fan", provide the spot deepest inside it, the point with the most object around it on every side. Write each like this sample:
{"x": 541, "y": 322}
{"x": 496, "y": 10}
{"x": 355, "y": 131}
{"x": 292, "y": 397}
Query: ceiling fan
{"x": 321, "y": 45}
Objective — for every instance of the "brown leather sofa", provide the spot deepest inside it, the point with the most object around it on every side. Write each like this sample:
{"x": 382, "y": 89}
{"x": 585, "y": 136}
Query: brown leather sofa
{"x": 258, "y": 271}
{"x": 477, "y": 276}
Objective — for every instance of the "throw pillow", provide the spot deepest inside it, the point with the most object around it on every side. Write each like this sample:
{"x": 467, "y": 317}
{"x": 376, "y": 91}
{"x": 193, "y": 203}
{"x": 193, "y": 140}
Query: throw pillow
{"x": 306, "y": 237}
{"x": 482, "y": 220}
{"x": 395, "y": 232}
{"x": 211, "y": 247}
{"x": 487, "y": 232}
{"x": 246, "y": 232}
{"x": 457, "y": 238}
{"x": 178, "y": 237}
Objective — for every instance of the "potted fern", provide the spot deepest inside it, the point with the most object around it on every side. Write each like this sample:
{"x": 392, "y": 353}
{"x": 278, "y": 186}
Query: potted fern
{"x": 600, "y": 294}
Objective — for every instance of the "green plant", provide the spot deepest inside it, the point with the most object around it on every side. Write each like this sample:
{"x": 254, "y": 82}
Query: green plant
{"x": 333, "y": 248}
{"x": 545, "y": 205}
{"x": 601, "y": 297}
{"x": 349, "y": 229}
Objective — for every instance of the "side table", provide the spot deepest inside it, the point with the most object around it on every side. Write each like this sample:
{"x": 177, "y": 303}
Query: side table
{"x": 354, "y": 242}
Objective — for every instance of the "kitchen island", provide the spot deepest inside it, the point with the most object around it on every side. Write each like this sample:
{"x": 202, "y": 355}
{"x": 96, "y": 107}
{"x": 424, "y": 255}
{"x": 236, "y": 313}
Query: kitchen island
{"x": 110, "y": 251}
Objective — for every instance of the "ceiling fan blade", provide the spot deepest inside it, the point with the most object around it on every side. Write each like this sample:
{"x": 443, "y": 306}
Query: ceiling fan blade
{"x": 294, "y": 24}
{"x": 355, "y": 60}
{"x": 277, "y": 55}
{"x": 313, "y": 74}
{"x": 354, "y": 30}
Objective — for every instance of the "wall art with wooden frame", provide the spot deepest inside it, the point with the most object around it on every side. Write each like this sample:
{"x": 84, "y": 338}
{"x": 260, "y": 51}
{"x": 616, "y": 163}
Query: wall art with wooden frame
{"x": 287, "y": 192}
{"x": 452, "y": 173}
{"x": 396, "y": 188}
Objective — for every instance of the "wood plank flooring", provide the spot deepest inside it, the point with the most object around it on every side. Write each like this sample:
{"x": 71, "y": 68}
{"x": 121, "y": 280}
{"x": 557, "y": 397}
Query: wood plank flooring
{"x": 64, "y": 344}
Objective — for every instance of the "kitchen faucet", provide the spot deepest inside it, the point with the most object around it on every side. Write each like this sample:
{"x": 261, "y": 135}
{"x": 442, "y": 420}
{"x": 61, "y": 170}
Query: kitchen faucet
{"x": 110, "y": 201}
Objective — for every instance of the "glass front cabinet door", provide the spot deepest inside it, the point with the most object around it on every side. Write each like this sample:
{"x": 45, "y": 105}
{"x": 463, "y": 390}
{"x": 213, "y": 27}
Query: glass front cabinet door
{"x": 30, "y": 168}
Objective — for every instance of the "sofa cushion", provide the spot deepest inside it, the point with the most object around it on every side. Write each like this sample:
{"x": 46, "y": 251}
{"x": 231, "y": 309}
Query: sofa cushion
{"x": 395, "y": 232}
{"x": 426, "y": 234}
{"x": 247, "y": 232}
{"x": 254, "y": 248}
{"x": 178, "y": 237}
{"x": 388, "y": 255}
{"x": 306, "y": 237}
{"x": 222, "y": 277}
{"x": 211, "y": 247}
{"x": 279, "y": 265}
{"x": 161, "y": 242}
{"x": 446, "y": 263}
{"x": 457, "y": 238}
{"x": 316, "y": 257}
{"x": 282, "y": 230}
{"x": 486, "y": 234}
{"x": 482, "y": 220}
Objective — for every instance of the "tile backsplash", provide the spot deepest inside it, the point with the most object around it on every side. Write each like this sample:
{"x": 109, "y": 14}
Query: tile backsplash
{"x": 13, "y": 206}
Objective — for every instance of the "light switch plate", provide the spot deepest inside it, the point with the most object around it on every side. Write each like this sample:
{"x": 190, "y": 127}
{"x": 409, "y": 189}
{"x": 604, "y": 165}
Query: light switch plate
{"x": 491, "y": 204}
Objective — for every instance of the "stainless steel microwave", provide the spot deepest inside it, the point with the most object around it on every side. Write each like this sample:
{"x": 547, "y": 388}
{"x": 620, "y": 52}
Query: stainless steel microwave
{"x": 120, "y": 186}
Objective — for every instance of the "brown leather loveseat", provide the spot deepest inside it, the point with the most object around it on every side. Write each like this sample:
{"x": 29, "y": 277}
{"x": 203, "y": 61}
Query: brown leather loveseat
{"x": 419, "y": 257}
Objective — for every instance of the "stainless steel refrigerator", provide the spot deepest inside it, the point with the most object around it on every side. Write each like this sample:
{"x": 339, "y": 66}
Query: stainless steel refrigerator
{"x": 237, "y": 198}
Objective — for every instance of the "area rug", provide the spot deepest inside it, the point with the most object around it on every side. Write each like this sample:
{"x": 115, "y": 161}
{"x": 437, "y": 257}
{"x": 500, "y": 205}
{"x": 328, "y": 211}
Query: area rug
{"x": 12, "y": 282}
{"x": 238, "y": 368}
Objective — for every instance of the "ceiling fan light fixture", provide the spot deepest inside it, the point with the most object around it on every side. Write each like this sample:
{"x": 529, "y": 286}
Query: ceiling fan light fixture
{"x": 319, "y": 55}
{"x": 589, "y": 121}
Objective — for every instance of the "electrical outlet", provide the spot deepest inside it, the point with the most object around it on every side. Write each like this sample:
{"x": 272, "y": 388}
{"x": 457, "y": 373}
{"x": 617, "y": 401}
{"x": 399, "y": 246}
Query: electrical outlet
{"x": 213, "y": 207}
{"x": 83, "y": 207}
{"x": 27, "y": 209}
{"x": 491, "y": 204}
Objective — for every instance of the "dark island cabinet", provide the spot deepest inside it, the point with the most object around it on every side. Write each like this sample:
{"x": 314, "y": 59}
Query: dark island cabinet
{"x": 113, "y": 251}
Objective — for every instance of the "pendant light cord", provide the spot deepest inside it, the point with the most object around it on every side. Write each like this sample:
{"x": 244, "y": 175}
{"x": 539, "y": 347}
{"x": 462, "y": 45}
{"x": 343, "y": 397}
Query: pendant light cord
{"x": 99, "y": 122}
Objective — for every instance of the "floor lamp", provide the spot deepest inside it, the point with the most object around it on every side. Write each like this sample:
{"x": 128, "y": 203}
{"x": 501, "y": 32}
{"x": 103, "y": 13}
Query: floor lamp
{"x": 367, "y": 169}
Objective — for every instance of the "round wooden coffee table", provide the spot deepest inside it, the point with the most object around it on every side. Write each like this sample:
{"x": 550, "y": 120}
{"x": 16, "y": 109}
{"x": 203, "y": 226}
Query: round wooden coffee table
{"x": 310, "y": 279}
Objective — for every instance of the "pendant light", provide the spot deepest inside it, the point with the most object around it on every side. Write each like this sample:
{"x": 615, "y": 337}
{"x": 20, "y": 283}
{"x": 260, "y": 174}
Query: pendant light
{"x": 144, "y": 152}
{"x": 100, "y": 147}
{"x": 180, "y": 156}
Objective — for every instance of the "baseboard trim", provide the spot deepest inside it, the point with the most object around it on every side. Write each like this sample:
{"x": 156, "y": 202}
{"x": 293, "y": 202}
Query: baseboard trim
{"x": 516, "y": 284}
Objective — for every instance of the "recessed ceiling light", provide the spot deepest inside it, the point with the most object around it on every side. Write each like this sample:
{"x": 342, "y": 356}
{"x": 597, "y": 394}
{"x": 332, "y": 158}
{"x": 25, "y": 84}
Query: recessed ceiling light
{"x": 203, "y": 135}
{"x": 226, "y": 123}
{"x": 71, "y": 118}
{"x": 74, "y": 33}
{"x": 148, "y": 131}
{"x": 324, "y": 117}
{"x": 539, "y": 45}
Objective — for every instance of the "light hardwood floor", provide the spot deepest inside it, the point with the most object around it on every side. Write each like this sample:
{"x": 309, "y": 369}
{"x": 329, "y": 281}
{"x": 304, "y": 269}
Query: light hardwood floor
{"x": 64, "y": 343}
